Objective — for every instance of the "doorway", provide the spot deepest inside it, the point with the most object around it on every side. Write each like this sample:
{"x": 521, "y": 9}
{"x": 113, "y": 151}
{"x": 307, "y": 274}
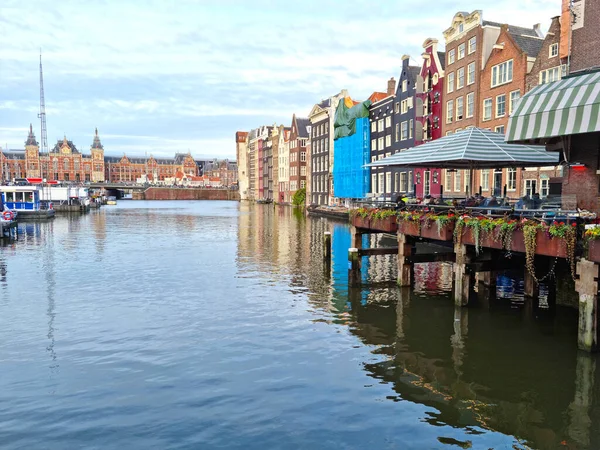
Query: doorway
{"x": 497, "y": 183}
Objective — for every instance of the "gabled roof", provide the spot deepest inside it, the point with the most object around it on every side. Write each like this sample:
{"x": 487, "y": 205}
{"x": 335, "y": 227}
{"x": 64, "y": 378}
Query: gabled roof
{"x": 61, "y": 142}
{"x": 413, "y": 73}
{"x": 14, "y": 154}
{"x": 529, "y": 44}
{"x": 514, "y": 29}
{"x": 442, "y": 58}
{"x": 303, "y": 125}
{"x": 377, "y": 96}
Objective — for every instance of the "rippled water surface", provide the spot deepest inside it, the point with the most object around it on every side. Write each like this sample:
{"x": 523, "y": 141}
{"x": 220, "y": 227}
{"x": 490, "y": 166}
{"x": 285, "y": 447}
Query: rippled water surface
{"x": 218, "y": 325}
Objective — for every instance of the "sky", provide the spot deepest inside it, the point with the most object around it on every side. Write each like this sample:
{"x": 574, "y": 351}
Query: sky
{"x": 164, "y": 76}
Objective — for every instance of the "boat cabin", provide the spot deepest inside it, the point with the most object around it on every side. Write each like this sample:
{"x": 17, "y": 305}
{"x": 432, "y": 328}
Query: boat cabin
{"x": 21, "y": 197}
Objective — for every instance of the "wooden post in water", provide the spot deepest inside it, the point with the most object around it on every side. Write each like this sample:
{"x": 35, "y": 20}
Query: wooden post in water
{"x": 353, "y": 267}
{"x": 531, "y": 286}
{"x": 327, "y": 245}
{"x": 463, "y": 279}
{"x": 404, "y": 263}
{"x": 587, "y": 287}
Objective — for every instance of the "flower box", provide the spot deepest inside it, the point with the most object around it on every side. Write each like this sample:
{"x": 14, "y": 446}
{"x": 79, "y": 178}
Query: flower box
{"x": 361, "y": 222}
{"x": 408, "y": 227}
{"x": 446, "y": 233}
{"x": 487, "y": 239}
{"x": 544, "y": 244}
{"x": 387, "y": 224}
{"x": 593, "y": 252}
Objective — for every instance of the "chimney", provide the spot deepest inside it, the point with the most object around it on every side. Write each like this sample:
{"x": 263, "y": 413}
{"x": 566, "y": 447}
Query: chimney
{"x": 391, "y": 90}
{"x": 538, "y": 30}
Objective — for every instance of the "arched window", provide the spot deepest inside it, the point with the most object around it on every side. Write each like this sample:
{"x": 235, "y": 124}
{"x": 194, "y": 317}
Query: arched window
{"x": 65, "y": 164}
{"x": 76, "y": 164}
{"x": 55, "y": 165}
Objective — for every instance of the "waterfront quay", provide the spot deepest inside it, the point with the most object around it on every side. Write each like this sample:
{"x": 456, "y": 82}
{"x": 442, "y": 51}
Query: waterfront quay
{"x": 238, "y": 329}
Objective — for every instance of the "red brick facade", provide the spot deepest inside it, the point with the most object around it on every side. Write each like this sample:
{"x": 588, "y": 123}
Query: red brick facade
{"x": 585, "y": 39}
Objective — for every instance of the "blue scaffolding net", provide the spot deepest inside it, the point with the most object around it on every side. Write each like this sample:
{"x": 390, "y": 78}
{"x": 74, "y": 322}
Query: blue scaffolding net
{"x": 351, "y": 153}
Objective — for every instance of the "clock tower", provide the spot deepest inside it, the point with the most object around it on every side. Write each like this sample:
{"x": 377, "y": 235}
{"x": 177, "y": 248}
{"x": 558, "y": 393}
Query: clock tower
{"x": 32, "y": 155}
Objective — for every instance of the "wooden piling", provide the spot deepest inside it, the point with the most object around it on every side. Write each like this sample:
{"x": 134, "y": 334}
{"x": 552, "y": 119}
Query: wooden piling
{"x": 587, "y": 287}
{"x": 463, "y": 278}
{"x": 404, "y": 263}
{"x": 353, "y": 267}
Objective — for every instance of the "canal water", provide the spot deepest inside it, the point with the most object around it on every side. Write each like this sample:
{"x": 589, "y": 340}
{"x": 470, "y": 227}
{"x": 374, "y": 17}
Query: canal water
{"x": 218, "y": 325}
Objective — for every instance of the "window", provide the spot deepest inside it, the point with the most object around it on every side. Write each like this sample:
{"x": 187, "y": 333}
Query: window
{"x": 460, "y": 75}
{"x": 373, "y": 127}
{"x": 461, "y": 27}
{"x": 512, "y": 179}
{"x": 451, "y": 54}
{"x": 303, "y": 156}
{"x": 373, "y": 144}
{"x": 396, "y": 182}
{"x": 502, "y": 73}
{"x": 380, "y": 187}
{"x": 530, "y": 187}
{"x": 410, "y": 179}
{"x": 553, "y": 51}
{"x": 388, "y": 182}
{"x": 303, "y": 171}
{"x": 459, "y": 108}
{"x": 403, "y": 182}
{"x": 472, "y": 45}
{"x": 410, "y": 129}
{"x": 380, "y": 125}
{"x": 514, "y": 96}
{"x": 404, "y": 105}
{"x": 544, "y": 187}
{"x": 471, "y": 73}
{"x": 457, "y": 180}
{"x": 461, "y": 51}
{"x": 66, "y": 164}
{"x": 380, "y": 143}
{"x": 388, "y": 121}
{"x": 302, "y": 184}
{"x": 499, "y": 129}
{"x": 448, "y": 181}
{"x": 487, "y": 109}
{"x": 550, "y": 75}
{"x": 449, "y": 110}
{"x": 388, "y": 140}
{"x": 76, "y": 164}
{"x": 404, "y": 131}
{"x": 501, "y": 105}
{"x": 450, "y": 85}
{"x": 397, "y": 108}
{"x": 468, "y": 181}
{"x": 397, "y": 132}
{"x": 485, "y": 180}
{"x": 470, "y": 104}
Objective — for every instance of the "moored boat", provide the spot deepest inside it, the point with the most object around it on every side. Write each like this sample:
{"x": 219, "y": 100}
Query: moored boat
{"x": 25, "y": 202}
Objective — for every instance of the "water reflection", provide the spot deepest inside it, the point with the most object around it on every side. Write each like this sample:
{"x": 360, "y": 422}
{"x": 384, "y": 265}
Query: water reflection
{"x": 501, "y": 366}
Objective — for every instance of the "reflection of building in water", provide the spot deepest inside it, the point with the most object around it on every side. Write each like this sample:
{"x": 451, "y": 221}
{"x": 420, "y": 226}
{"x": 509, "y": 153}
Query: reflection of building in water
{"x": 490, "y": 380}
{"x": 433, "y": 277}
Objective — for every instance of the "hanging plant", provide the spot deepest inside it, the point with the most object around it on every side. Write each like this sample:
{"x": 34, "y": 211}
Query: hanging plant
{"x": 569, "y": 234}
{"x": 530, "y": 230}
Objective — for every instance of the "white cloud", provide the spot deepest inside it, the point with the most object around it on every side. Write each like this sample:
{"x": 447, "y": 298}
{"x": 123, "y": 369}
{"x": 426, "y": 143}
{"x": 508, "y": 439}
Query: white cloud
{"x": 204, "y": 70}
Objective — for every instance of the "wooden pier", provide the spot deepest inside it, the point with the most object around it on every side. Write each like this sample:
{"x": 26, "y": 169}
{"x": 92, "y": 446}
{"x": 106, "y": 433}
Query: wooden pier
{"x": 478, "y": 259}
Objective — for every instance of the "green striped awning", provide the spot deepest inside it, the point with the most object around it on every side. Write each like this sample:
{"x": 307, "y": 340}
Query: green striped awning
{"x": 564, "y": 107}
{"x": 474, "y": 148}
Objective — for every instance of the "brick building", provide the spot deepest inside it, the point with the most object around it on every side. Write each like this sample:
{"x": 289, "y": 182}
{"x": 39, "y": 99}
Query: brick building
{"x": 125, "y": 169}
{"x": 429, "y": 112}
{"x": 470, "y": 100}
{"x": 503, "y": 82}
{"x": 241, "y": 152}
{"x": 299, "y": 135}
{"x": 584, "y": 37}
{"x": 63, "y": 163}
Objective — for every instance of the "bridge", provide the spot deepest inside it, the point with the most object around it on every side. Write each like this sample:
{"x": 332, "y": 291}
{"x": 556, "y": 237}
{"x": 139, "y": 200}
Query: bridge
{"x": 120, "y": 186}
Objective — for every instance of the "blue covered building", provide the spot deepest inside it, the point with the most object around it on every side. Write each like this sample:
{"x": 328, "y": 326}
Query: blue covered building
{"x": 351, "y": 179}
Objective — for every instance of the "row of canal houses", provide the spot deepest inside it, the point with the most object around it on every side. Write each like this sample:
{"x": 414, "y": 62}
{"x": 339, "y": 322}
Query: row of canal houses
{"x": 475, "y": 82}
